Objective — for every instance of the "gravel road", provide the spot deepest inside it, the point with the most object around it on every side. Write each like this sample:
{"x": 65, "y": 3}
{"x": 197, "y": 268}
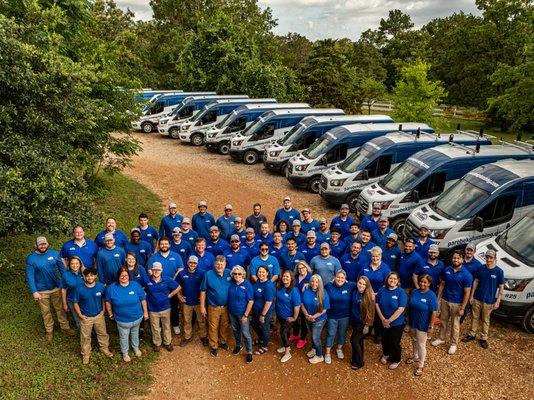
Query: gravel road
{"x": 187, "y": 174}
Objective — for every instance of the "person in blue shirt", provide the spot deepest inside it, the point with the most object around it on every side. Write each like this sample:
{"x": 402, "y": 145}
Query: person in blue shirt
{"x": 353, "y": 236}
{"x": 142, "y": 249}
{"x": 308, "y": 222}
{"x": 370, "y": 221}
{"x": 277, "y": 246}
{"x": 239, "y": 229}
{"x": 323, "y": 235}
{"x": 121, "y": 240}
{"x": 189, "y": 281}
{"x": 137, "y": 272}
{"x": 215, "y": 245}
{"x": 315, "y": 304}
{"x": 71, "y": 279}
{"x": 342, "y": 222}
{"x": 148, "y": 233}
{"x": 380, "y": 236}
{"x": 159, "y": 290}
{"x": 422, "y": 312}
{"x": 287, "y": 212}
{"x": 170, "y": 221}
{"x": 264, "y": 235}
{"x": 432, "y": 266}
{"x": 109, "y": 259}
{"x": 283, "y": 228}
{"x": 287, "y": 311}
{"x": 262, "y": 309}
{"x": 337, "y": 246}
{"x": 202, "y": 221}
{"x": 291, "y": 256}
{"x": 485, "y": 297}
{"x": 188, "y": 234}
{"x": 236, "y": 255}
{"x": 391, "y": 300}
{"x": 226, "y": 222}
{"x": 472, "y": 265}
{"x": 264, "y": 259}
{"x": 340, "y": 294}
{"x": 367, "y": 245}
{"x": 88, "y": 302}
{"x": 408, "y": 263}
{"x": 303, "y": 273}
{"x": 255, "y": 220}
{"x": 453, "y": 296}
{"x": 206, "y": 260}
{"x": 296, "y": 233}
{"x": 391, "y": 252}
{"x": 311, "y": 248}
{"x": 80, "y": 246}
{"x": 423, "y": 242}
{"x": 214, "y": 302}
{"x": 250, "y": 244}
{"x": 352, "y": 262}
{"x": 180, "y": 246}
{"x": 126, "y": 304}
{"x": 362, "y": 316}
{"x": 325, "y": 264}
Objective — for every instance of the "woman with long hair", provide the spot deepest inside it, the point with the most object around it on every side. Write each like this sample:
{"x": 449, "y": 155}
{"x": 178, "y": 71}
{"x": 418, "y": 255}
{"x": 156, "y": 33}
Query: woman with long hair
{"x": 287, "y": 310}
{"x": 70, "y": 281}
{"x": 315, "y": 304}
{"x": 362, "y": 314}
{"x": 137, "y": 273}
{"x": 303, "y": 274}
{"x": 262, "y": 308}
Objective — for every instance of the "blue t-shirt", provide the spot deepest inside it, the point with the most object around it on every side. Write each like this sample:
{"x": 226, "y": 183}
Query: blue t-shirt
{"x": 142, "y": 250}
{"x": 276, "y": 252}
{"x": 309, "y": 226}
{"x": 71, "y": 281}
{"x": 322, "y": 237}
{"x": 299, "y": 284}
{"x": 239, "y": 257}
{"x": 289, "y": 262}
{"x": 263, "y": 292}
{"x": 171, "y": 264}
{"x": 340, "y": 299}
{"x": 121, "y": 240}
{"x": 434, "y": 271}
{"x": 455, "y": 283}
{"x": 473, "y": 266}
{"x": 343, "y": 226}
{"x": 259, "y": 238}
{"x": 150, "y": 235}
{"x": 108, "y": 262}
{"x": 190, "y": 283}
{"x": 352, "y": 266}
{"x": 422, "y": 305}
{"x": 183, "y": 249}
{"x": 380, "y": 238}
{"x": 206, "y": 262}
{"x": 141, "y": 275}
{"x": 271, "y": 263}
{"x": 217, "y": 248}
{"x": 337, "y": 249}
{"x": 226, "y": 226}
{"x": 310, "y": 252}
{"x": 489, "y": 280}
{"x": 288, "y": 216}
{"x": 86, "y": 252}
{"x": 389, "y": 301}
{"x": 300, "y": 238}
{"x": 190, "y": 237}
{"x": 168, "y": 223}
{"x": 408, "y": 263}
{"x": 325, "y": 267}
{"x": 216, "y": 287}
{"x": 201, "y": 224}
{"x": 368, "y": 223}
{"x": 355, "y": 307}
{"x": 376, "y": 277}
{"x": 157, "y": 293}
{"x": 42, "y": 270}
{"x": 253, "y": 248}
{"x": 238, "y": 297}
{"x": 422, "y": 248}
{"x": 89, "y": 299}
{"x": 391, "y": 257}
{"x": 126, "y": 301}
{"x": 311, "y": 302}
{"x": 286, "y": 302}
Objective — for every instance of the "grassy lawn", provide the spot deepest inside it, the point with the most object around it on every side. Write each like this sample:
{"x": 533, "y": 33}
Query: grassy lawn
{"x": 31, "y": 369}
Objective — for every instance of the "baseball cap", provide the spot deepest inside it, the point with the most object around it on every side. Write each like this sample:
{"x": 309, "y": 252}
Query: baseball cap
{"x": 176, "y": 230}
{"x": 490, "y": 253}
{"x": 471, "y": 246}
{"x": 42, "y": 240}
{"x": 322, "y": 220}
{"x": 296, "y": 222}
{"x": 193, "y": 259}
{"x": 376, "y": 204}
{"x": 325, "y": 245}
{"x": 311, "y": 234}
{"x": 383, "y": 218}
{"x": 109, "y": 236}
{"x": 228, "y": 207}
{"x": 157, "y": 265}
{"x": 409, "y": 240}
{"x": 186, "y": 220}
{"x": 433, "y": 247}
{"x": 424, "y": 227}
{"x": 393, "y": 236}
{"x": 305, "y": 210}
{"x": 234, "y": 237}
{"x": 202, "y": 203}
{"x": 172, "y": 205}
{"x": 249, "y": 230}
{"x": 287, "y": 198}
{"x": 344, "y": 205}
{"x": 135, "y": 230}
{"x": 213, "y": 228}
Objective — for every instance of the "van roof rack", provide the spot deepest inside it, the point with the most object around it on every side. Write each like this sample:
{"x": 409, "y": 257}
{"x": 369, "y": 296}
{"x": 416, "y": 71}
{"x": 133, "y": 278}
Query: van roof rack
{"x": 469, "y": 150}
{"x": 523, "y": 145}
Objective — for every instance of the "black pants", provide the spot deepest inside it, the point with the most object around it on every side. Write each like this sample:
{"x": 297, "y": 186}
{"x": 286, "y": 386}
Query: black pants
{"x": 377, "y": 328}
{"x": 175, "y": 311}
{"x": 356, "y": 341}
{"x": 300, "y": 327}
{"x": 285, "y": 328}
{"x": 391, "y": 342}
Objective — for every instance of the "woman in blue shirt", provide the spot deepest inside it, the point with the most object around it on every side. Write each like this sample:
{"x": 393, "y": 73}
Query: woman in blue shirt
{"x": 391, "y": 300}
{"x": 362, "y": 315}
{"x": 137, "y": 273}
{"x": 422, "y": 310}
{"x": 126, "y": 304}
{"x": 340, "y": 294}
{"x": 71, "y": 279}
{"x": 287, "y": 311}
{"x": 315, "y": 304}
{"x": 240, "y": 300}
{"x": 283, "y": 228}
{"x": 262, "y": 309}
{"x": 303, "y": 274}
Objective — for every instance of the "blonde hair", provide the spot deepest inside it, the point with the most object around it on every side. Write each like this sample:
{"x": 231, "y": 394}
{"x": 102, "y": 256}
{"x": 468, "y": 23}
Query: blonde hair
{"x": 320, "y": 290}
{"x": 367, "y": 306}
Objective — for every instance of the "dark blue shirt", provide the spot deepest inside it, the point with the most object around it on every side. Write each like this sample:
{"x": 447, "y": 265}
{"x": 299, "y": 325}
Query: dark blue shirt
{"x": 489, "y": 280}
{"x": 150, "y": 235}
{"x": 391, "y": 257}
{"x": 352, "y": 266}
{"x": 355, "y": 307}
{"x": 337, "y": 249}
{"x": 70, "y": 281}
{"x": 300, "y": 238}
{"x": 310, "y": 252}
{"x": 389, "y": 301}
{"x": 408, "y": 263}
{"x": 455, "y": 283}
{"x": 253, "y": 249}
{"x": 157, "y": 293}
{"x": 472, "y": 266}
{"x": 322, "y": 237}
{"x": 311, "y": 302}
{"x": 42, "y": 270}
{"x": 201, "y": 224}
{"x": 259, "y": 238}
{"x": 422, "y": 249}
{"x": 289, "y": 216}
{"x": 238, "y": 297}
{"x": 216, "y": 287}
{"x": 121, "y": 240}
{"x": 205, "y": 262}
{"x": 271, "y": 263}
{"x": 263, "y": 292}
{"x": 190, "y": 283}
{"x": 171, "y": 264}
{"x": 286, "y": 302}
{"x": 422, "y": 305}
{"x": 368, "y": 223}
{"x": 300, "y": 284}
{"x": 309, "y": 226}
{"x": 239, "y": 257}
{"x": 86, "y": 252}
{"x": 217, "y": 248}
{"x": 89, "y": 299}
{"x": 168, "y": 223}
{"x": 183, "y": 249}
{"x": 289, "y": 262}
{"x": 226, "y": 226}
{"x": 380, "y": 238}
{"x": 343, "y": 226}
{"x": 190, "y": 237}
{"x": 340, "y": 299}
{"x": 276, "y": 252}
{"x": 434, "y": 271}
{"x": 141, "y": 275}
{"x": 376, "y": 277}
{"x": 108, "y": 262}
{"x": 126, "y": 301}
{"x": 142, "y": 250}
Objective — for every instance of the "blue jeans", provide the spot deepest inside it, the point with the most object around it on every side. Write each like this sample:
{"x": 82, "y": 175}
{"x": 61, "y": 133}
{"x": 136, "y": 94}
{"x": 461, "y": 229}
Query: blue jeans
{"x": 262, "y": 330}
{"x": 336, "y": 325}
{"x": 131, "y": 330}
{"x": 241, "y": 328}
{"x": 74, "y": 315}
{"x": 316, "y": 329}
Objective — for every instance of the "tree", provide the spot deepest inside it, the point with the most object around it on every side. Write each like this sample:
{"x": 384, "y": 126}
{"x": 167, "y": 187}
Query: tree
{"x": 295, "y": 50}
{"x": 414, "y": 96}
{"x": 371, "y": 90}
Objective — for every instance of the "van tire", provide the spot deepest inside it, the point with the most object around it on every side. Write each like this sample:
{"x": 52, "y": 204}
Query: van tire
{"x": 147, "y": 127}
{"x": 223, "y": 148}
{"x": 251, "y": 157}
{"x": 174, "y": 133}
{"x": 314, "y": 184}
{"x": 398, "y": 225}
{"x": 528, "y": 320}
{"x": 284, "y": 170}
{"x": 197, "y": 139}
{"x": 352, "y": 200}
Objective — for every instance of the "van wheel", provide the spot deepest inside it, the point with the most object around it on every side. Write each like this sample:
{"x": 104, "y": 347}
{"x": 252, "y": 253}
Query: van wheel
{"x": 197, "y": 139}
{"x": 174, "y": 133}
{"x": 250, "y": 157}
{"x": 284, "y": 170}
{"x": 314, "y": 183}
{"x": 223, "y": 148}
{"x": 147, "y": 127}
{"x": 352, "y": 201}
{"x": 398, "y": 225}
{"x": 528, "y": 320}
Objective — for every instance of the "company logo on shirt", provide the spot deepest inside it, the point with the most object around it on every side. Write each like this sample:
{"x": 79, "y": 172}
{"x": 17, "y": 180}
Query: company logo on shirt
{"x": 186, "y": 276}
{"x": 344, "y": 291}
{"x": 72, "y": 248}
{"x": 286, "y": 294}
{"x": 142, "y": 251}
{"x": 423, "y": 300}
{"x": 132, "y": 292}
{"x": 394, "y": 297}
{"x": 50, "y": 258}
{"x": 172, "y": 259}
{"x": 493, "y": 276}
{"x": 328, "y": 263}
{"x": 98, "y": 294}
{"x": 242, "y": 287}
{"x": 228, "y": 278}
{"x": 260, "y": 290}
{"x": 116, "y": 255}
{"x": 150, "y": 284}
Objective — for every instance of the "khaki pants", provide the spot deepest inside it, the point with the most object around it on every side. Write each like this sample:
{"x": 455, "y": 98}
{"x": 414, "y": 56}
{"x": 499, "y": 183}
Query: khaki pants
{"x": 86, "y": 328}
{"x": 449, "y": 321}
{"x": 160, "y": 324}
{"x": 188, "y": 321}
{"x": 52, "y": 296}
{"x": 217, "y": 325}
{"x": 480, "y": 311}
{"x": 419, "y": 345}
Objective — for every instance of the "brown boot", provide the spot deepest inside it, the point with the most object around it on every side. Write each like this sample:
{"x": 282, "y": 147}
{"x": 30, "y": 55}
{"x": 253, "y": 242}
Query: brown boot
{"x": 49, "y": 336}
{"x": 107, "y": 353}
{"x": 85, "y": 360}
{"x": 69, "y": 331}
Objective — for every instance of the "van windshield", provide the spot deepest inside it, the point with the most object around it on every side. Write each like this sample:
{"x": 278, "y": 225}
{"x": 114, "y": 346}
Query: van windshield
{"x": 252, "y": 127}
{"x": 227, "y": 120}
{"x": 199, "y": 114}
{"x": 518, "y": 240}
{"x": 293, "y": 135}
{"x": 357, "y": 160}
{"x": 402, "y": 178}
{"x": 319, "y": 146}
{"x": 460, "y": 200}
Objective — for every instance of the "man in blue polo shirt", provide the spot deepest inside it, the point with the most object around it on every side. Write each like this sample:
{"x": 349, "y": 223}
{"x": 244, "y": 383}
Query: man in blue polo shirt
{"x": 206, "y": 260}
{"x": 109, "y": 260}
{"x": 180, "y": 246}
{"x": 148, "y": 233}
{"x": 264, "y": 235}
{"x": 311, "y": 248}
{"x": 188, "y": 234}
{"x": 367, "y": 245}
{"x": 354, "y": 235}
{"x": 170, "y": 221}
{"x": 391, "y": 253}
{"x": 43, "y": 268}
{"x": 226, "y": 222}
{"x": 337, "y": 246}
{"x": 453, "y": 295}
{"x": 236, "y": 255}
{"x": 295, "y": 233}
{"x": 379, "y": 236}
{"x": 408, "y": 263}
{"x": 352, "y": 262}
{"x": 239, "y": 229}
{"x": 139, "y": 247}
{"x": 323, "y": 235}
{"x": 287, "y": 213}
{"x": 277, "y": 246}
{"x": 80, "y": 246}
{"x": 266, "y": 260}
{"x": 308, "y": 222}
{"x": 472, "y": 265}
{"x": 432, "y": 266}
{"x": 423, "y": 242}
{"x": 203, "y": 220}
{"x": 250, "y": 244}
{"x": 342, "y": 222}
{"x": 215, "y": 245}
{"x": 290, "y": 257}
{"x": 370, "y": 221}
{"x": 325, "y": 264}
{"x": 121, "y": 240}
{"x": 213, "y": 304}
{"x": 485, "y": 297}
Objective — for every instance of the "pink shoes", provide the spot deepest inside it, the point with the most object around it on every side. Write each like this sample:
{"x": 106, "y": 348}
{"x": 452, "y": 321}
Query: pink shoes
{"x": 301, "y": 344}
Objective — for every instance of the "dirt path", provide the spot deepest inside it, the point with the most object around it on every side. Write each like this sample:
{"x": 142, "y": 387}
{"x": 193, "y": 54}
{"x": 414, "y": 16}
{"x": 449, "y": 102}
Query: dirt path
{"x": 187, "y": 174}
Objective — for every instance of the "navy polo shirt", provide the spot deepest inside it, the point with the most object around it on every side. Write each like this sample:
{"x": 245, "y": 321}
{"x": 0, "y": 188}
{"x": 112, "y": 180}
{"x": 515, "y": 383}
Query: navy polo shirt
{"x": 313, "y": 225}
{"x": 340, "y": 299}
{"x": 390, "y": 300}
{"x": 289, "y": 262}
{"x": 121, "y": 240}
{"x": 288, "y": 216}
{"x": 89, "y": 299}
{"x": 171, "y": 264}
{"x": 434, "y": 271}
{"x": 286, "y": 302}
{"x": 342, "y": 225}
{"x": 238, "y": 297}
{"x": 217, "y": 248}
{"x": 108, "y": 262}
{"x": 408, "y": 263}
{"x": 263, "y": 292}
{"x": 201, "y": 224}
{"x": 368, "y": 223}
{"x": 376, "y": 277}
{"x": 337, "y": 249}
{"x": 86, "y": 252}
{"x": 168, "y": 223}
{"x": 422, "y": 305}
{"x": 489, "y": 280}
{"x": 355, "y": 307}
{"x": 455, "y": 283}
{"x": 149, "y": 235}
{"x": 352, "y": 266}
{"x": 190, "y": 237}
{"x": 205, "y": 262}
{"x": 391, "y": 257}
{"x": 422, "y": 248}
{"x": 190, "y": 283}
{"x": 309, "y": 252}
{"x": 239, "y": 257}
{"x": 142, "y": 250}
{"x": 253, "y": 249}
{"x": 380, "y": 238}
{"x": 183, "y": 248}
{"x": 322, "y": 236}
{"x": 300, "y": 238}
{"x": 216, "y": 287}
{"x": 157, "y": 293}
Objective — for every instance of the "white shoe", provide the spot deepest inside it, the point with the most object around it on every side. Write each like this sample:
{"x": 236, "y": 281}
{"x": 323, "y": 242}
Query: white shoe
{"x": 286, "y": 358}
{"x": 365, "y": 329}
{"x": 176, "y": 330}
{"x": 311, "y": 353}
{"x": 281, "y": 350}
{"x": 438, "y": 342}
{"x": 339, "y": 354}
{"x": 393, "y": 365}
{"x": 452, "y": 349}
{"x": 384, "y": 359}
{"x": 137, "y": 352}
{"x": 316, "y": 359}
{"x": 327, "y": 359}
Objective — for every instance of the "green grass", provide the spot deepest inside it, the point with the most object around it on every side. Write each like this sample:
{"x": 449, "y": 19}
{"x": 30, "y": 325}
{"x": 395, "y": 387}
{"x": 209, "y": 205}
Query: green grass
{"x": 31, "y": 369}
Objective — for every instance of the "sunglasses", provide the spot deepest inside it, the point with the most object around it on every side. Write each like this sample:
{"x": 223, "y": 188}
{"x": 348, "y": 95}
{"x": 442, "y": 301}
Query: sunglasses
{"x": 237, "y": 273}
{"x": 264, "y": 249}
{"x": 234, "y": 241}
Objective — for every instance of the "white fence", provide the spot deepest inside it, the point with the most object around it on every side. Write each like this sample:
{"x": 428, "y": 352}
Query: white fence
{"x": 442, "y": 111}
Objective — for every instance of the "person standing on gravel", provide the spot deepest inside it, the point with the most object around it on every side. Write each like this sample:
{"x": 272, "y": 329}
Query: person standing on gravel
{"x": 203, "y": 220}
{"x": 315, "y": 304}
{"x": 287, "y": 311}
{"x": 255, "y": 220}
{"x": 226, "y": 222}
{"x": 308, "y": 222}
{"x": 287, "y": 213}
{"x": 343, "y": 221}
{"x": 325, "y": 265}
{"x": 170, "y": 221}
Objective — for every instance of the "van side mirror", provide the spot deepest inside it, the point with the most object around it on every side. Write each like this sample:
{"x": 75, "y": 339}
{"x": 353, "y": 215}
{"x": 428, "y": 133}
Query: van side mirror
{"x": 365, "y": 175}
{"x": 478, "y": 224}
{"x": 415, "y": 196}
{"x": 323, "y": 160}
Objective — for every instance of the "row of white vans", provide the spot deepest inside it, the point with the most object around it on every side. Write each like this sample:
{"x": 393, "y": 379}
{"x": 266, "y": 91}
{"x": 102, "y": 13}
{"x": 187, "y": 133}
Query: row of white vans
{"x": 459, "y": 185}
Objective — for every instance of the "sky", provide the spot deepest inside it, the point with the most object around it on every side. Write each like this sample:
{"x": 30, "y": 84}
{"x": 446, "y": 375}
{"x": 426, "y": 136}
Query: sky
{"x": 321, "y": 19}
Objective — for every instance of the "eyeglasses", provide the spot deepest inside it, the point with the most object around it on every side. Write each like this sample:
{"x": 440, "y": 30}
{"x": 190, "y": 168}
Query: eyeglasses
{"x": 264, "y": 249}
{"x": 234, "y": 241}
{"x": 237, "y": 274}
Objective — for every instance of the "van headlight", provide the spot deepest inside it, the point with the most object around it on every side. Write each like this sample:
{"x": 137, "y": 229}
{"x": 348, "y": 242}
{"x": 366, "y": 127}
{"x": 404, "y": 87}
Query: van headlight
{"x": 438, "y": 233}
{"x": 516, "y": 285}
{"x": 163, "y": 121}
{"x": 185, "y": 127}
{"x": 337, "y": 182}
{"x": 274, "y": 153}
{"x": 237, "y": 143}
{"x": 212, "y": 134}
{"x": 302, "y": 167}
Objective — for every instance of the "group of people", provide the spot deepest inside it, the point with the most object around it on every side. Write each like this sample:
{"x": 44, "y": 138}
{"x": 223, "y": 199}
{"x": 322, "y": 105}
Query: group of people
{"x": 300, "y": 273}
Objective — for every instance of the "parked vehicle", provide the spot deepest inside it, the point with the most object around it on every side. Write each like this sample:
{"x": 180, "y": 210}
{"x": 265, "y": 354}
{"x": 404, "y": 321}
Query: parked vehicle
{"x": 305, "y": 169}
{"x": 148, "y": 94}
{"x": 305, "y": 133}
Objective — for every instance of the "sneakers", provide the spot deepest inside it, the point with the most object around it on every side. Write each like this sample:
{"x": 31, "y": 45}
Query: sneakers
{"x": 468, "y": 338}
{"x": 69, "y": 331}
{"x": 286, "y": 357}
{"x": 311, "y": 353}
{"x": 237, "y": 350}
{"x": 384, "y": 359}
{"x": 49, "y": 336}
{"x": 438, "y": 342}
{"x": 176, "y": 330}
{"x": 281, "y": 350}
{"x": 204, "y": 341}
{"x": 223, "y": 346}
{"x": 316, "y": 359}
{"x": 301, "y": 343}
{"x": 294, "y": 337}
{"x": 168, "y": 347}
{"x": 365, "y": 329}
{"x": 126, "y": 358}
{"x": 213, "y": 352}
{"x": 249, "y": 358}
{"x": 393, "y": 365}
{"x": 483, "y": 343}
{"x": 137, "y": 353}
{"x": 327, "y": 359}
{"x": 85, "y": 360}
{"x": 452, "y": 349}
{"x": 339, "y": 354}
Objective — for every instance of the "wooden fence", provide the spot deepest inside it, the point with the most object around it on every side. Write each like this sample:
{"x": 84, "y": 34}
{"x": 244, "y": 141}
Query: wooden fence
{"x": 442, "y": 111}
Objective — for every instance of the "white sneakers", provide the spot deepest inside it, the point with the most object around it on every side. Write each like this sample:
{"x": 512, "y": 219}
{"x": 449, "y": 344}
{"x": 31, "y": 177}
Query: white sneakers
{"x": 286, "y": 358}
{"x": 327, "y": 359}
{"x": 452, "y": 349}
{"x": 176, "y": 330}
{"x": 137, "y": 352}
{"x": 384, "y": 359}
{"x": 438, "y": 342}
{"x": 339, "y": 354}
{"x": 316, "y": 359}
{"x": 281, "y": 350}
{"x": 311, "y": 353}
{"x": 393, "y": 365}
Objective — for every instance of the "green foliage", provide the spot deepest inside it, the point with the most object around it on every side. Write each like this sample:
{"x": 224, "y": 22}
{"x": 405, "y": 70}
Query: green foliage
{"x": 371, "y": 90}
